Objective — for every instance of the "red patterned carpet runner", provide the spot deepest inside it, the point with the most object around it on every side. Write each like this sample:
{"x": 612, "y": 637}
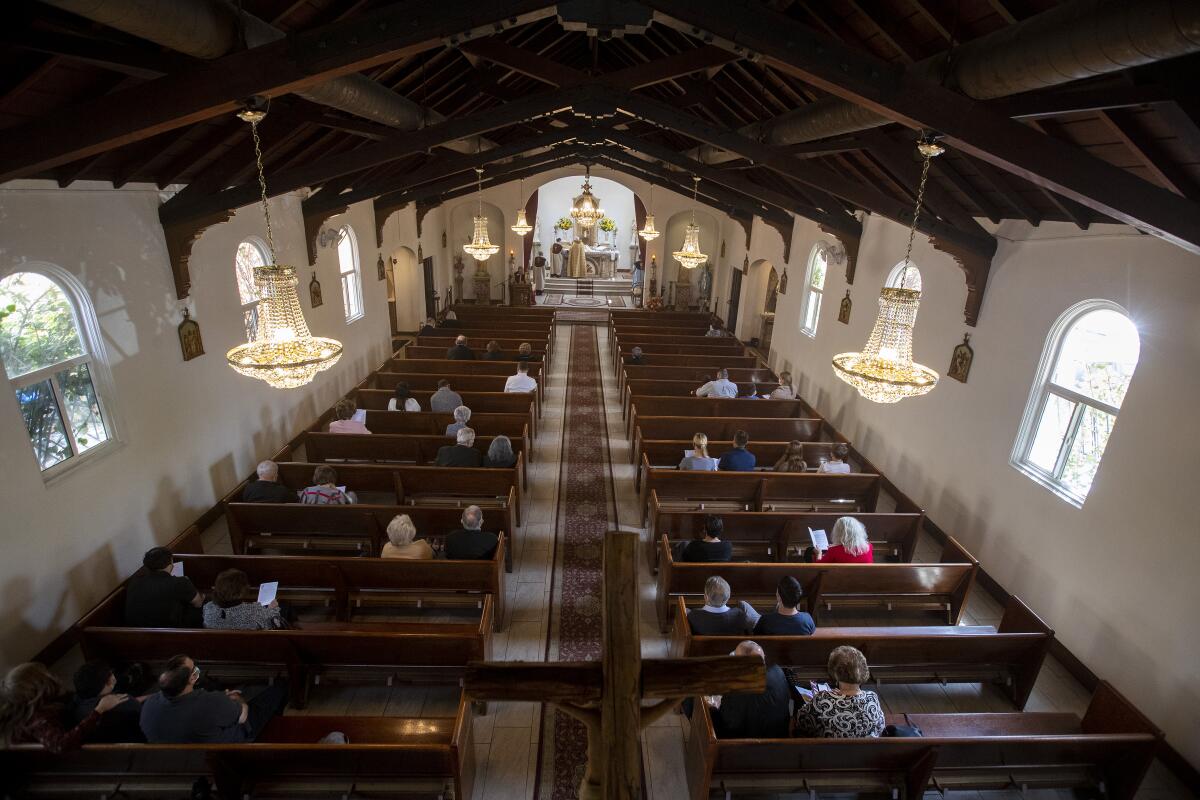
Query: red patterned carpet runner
{"x": 586, "y": 511}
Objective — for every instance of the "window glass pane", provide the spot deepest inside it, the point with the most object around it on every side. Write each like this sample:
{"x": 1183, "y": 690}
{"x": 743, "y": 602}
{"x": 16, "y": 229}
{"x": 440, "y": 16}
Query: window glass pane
{"x": 813, "y": 311}
{"x": 1098, "y": 356}
{"x": 905, "y": 278}
{"x": 1087, "y": 449}
{"x": 345, "y": 251}
{"x": 249, "y": 256}
{"x": 816, "y": 278}
{"x": 250, "y": 321}
{"x": 82, "y": 407}
{"x": 45, "y": 425}
{"x": 37, "y": 328}
{"x": 1052, "y": 429}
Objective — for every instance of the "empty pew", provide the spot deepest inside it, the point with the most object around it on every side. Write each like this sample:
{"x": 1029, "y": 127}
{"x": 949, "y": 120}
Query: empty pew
{"x": 398, "y": 448}
{"x": 1010, "y": 654}
{"x": 1109, "y": 750}
{"x": 942, "y": 587}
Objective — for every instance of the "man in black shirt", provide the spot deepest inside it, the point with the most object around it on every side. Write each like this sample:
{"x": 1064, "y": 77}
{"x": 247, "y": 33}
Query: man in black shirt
{"x": 494, "y": 353}
{"x": 787, "y": 619}
{"x": 635, "y": 357}
{"x": 710, "y": 548}
{"x": 267, "y": 489}
{"x": 182, "y": 714}
{"x": 462, "y": 454}
{"x": 754, "y": 716}
{"x": 158, "y": 599}
{"x": 716, "y": 618}
{"x": 469, "y": 541}
{"x": 94, "y": 680}
{"x": 460, "y": 351}
{"x": 428, "y": 329}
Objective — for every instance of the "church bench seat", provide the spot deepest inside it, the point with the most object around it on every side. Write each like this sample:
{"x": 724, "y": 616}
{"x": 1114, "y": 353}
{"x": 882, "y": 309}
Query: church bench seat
{"x": 697, "y": 374}
{"x": 497, "y": 402}
{"x": 636, "y": 387}
{"x": 779, "y": 536}
{"x": 682, "y": 428}
{"x": 429, "y": 423}
{"x": 394, "y": 756}
{"x": 663, "y": 406}
{"x": 942, "y": 587}
{"x": 387, "y": 447}
{"x": 715, "y": 353}
{"x": 427, "y": 382}
{"x": 1011, "y": 653}
{"x": 468, "y": 310}
{"x": 695, "y": 361}
{"x": 501, "y": 336}
{"x": 1109, "y": 749}
{"x": 417, "y": 352}
{"x": 667, "y": 453}
{"x": 449, "y": 366}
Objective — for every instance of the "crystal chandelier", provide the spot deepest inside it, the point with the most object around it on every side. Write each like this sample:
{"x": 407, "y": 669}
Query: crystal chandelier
{"x": 521, "y": 226}
{"x": 480, "y": 248}
{"x": 586, "y": 210}
{"x": 884, "y": 371}
{"x": 690, "y": 256}
{"x": 648, "y": 232}
{"x": 284, "y": 353}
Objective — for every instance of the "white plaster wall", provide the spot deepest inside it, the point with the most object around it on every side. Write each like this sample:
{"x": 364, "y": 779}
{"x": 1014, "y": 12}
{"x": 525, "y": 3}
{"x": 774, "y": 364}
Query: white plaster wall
{"x": 189, "y": 431}
{"x": 555, "y": 198}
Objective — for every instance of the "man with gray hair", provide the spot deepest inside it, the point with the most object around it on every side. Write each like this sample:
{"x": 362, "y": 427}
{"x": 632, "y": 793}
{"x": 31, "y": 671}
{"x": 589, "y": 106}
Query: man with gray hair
{"x": 721, "y": 387}
{"x": 462, "y": 415}
{"x": 267, "y": 489}
{"x": 470, "y": 541}
{"x": 717, "y": 618}
{"x": 635, "y": 357}
{"x": 754, "y": 716}
{"x": 462, "y": 453}
{"x": 460, "y": 351}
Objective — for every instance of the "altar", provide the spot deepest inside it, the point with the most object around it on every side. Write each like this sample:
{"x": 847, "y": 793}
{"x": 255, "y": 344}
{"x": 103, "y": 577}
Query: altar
{"x": 601, "y": 261}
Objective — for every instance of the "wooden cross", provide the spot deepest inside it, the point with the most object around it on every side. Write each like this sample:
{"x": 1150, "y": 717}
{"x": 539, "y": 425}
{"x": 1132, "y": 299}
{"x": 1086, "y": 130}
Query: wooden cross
{"x": 606, "y": 696}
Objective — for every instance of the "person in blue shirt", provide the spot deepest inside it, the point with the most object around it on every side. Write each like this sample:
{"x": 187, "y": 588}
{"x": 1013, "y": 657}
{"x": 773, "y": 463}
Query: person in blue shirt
{"x": 739, "y": 459}
{"x": 787, "y": 619}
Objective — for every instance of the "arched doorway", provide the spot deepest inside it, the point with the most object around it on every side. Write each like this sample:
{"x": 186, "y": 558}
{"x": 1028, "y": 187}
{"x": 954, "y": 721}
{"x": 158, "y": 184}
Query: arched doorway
{"x": 404, "y": 290}
{"x": 767, "y": 326}
{"x": 761, "y": 283}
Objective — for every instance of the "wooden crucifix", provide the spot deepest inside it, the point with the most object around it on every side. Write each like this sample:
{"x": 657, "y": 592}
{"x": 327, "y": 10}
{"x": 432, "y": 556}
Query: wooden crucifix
{"x": 606, "y": 696}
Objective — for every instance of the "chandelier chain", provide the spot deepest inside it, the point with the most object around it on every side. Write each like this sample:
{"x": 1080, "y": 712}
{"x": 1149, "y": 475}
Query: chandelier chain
{"x": 262, "y": 185}
{"x": 912, "y": 229}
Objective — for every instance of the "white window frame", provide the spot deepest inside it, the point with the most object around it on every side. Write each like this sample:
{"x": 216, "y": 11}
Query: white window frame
{"x": 251, "y": 307}
{"x": 1039, "y": 395}
{"x": 87, "y": 327}
{"x": 351, "y": 289}
{"x": 810, "y": 292}
{"x": 893, "y": 279}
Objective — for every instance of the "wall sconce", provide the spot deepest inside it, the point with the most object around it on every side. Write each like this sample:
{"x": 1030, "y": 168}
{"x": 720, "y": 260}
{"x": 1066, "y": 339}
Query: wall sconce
{"x": 329, "y": 236}
{"x": 833, "y": 253}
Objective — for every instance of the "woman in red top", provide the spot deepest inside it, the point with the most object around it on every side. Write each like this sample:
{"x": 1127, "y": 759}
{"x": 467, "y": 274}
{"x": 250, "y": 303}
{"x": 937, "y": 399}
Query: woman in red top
{"x": 849, "y": 544}
{"x": 32, "y": 710}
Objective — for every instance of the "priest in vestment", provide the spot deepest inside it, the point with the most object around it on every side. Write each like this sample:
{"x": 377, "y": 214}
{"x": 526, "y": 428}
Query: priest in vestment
{"x": 577, "y": 262}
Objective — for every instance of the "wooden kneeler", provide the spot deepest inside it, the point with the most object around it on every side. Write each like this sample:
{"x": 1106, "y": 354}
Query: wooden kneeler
{"x": 606, "y": 696}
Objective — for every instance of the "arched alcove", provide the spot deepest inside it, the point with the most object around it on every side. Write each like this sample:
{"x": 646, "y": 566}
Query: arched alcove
{"x": 462, "y": 226}
{"x": 676, "y": 229}
{"x": 619, "y": 201}
{"x": 405, "y": 290}
{"x": 758, "y": 314}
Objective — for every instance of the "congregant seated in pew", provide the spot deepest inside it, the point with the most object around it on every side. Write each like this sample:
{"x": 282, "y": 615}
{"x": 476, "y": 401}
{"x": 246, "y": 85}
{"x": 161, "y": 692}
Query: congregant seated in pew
{"x": 471, "y": 542}
{"x": 739, "y": 459}
{"x": 462, "y": 415}
{"x": 838, "y": 463}
{"x": 784, "y": 390}
{"x": 267, "y": 489}
{"x": 792, "y": 459}
{"x": 445, "y": 399}
{"x": 635, "y": 357}
{"x": 844, "y": 712}
{"x": 160, "y": 599}
{"x": 93, "y": 681}
{"x": 345, "y": 410}
{"x": 698, "y": 458}
{"x": 721, "y": 387}
{"x": 848, "y": 544}
{"x": 229, "y": 610}
{"x": 710, "y": 548}
{"x": 787, "y": 619}
{"x": 459, "y": 351}
{"x": 325, "y": 491}
{"x": 182, "y": 714}
{"x": 460, "y": 454}
{"x": 401, "y": 533}
{"x": 403, "y": 400}
{"x": 429, "y": 328}
{"x": 521, "y": 382}
{"x": 493, "y": 352}
{"x": 716, "y": 617}
{"x": 500, "y": 453}
{"x": 713, "y": 330}
{"x": 33, "y": 708}
{"x": 525, "y": 352}
{"x": 754, "y": 716}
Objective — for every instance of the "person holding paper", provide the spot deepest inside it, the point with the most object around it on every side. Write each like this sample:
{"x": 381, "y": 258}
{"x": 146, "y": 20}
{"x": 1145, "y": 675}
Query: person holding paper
{"x": 784, "y": 390}
{"x": 838, "y": 464}
{"x": 229, "y": 609}
{"x": 847, "y": 712}
{"x": 697, "y": 458}
{"x": 325, "y": 491}
{"x": 710, "y": 548}
{"x": 849, "y": 544}
{"x": 348, "y": 419}
{"x": 787, "y": 619}
{"x": 158, "y": 598}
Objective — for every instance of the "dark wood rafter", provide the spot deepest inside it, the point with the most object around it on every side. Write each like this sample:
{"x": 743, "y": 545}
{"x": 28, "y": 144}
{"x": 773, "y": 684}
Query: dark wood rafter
{"x": 1035, "y": 105}
{"x": 1005, "y": 186}
{"x": 903, "y": 161}
{"x": 1131, "y": 134}
{"x": 1082, "y": 217}
{"x": 945, "y": 166}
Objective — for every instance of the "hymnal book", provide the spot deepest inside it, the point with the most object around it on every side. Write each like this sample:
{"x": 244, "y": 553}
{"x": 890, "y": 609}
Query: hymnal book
{"x": 819, "y": 539}
{"x": 267, "y": 592}
{"x": 177, "y": 569}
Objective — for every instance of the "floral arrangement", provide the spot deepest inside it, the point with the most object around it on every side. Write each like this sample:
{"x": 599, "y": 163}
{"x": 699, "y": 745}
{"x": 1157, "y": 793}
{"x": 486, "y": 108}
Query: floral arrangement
{"x": 654, "y": 304}
{"x": 608, "y": 225}
{"x": 564, "y": 224}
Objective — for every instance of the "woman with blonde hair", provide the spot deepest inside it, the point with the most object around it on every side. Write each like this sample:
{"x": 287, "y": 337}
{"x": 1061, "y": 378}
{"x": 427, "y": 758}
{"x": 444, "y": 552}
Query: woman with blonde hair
{"x": 793, "y": 459}
{"x": 697, "y": 458}
{"x": 32, "y": 707}
{"x": 848, "y": 544}
{"x": 400, "y": 544}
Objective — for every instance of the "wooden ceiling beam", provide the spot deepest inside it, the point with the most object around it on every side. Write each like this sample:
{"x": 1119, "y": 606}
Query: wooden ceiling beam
{"x": 1131, "y": 134}
{"x": 891, "y": 32}
{"x": 406, "y": 192}
{"x": 127, "y": 59}
{"x": 902, "y": 161}
{"x": 945, "y": 167}
{"x": 668, "y": 68}
{"x": 1007, "y": 190}
{"x": 1034, "y": 105}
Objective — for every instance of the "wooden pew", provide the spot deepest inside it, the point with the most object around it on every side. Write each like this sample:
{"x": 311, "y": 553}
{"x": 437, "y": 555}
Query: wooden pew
{"x": 492, "y": 402}
{"x": 435, "y": 353}
{"x": 425, "y": 382}
{"x": 717, "y": 354}
{"x": 428, "y": 423}
{"x": 636, "y": 387}
{"x": 399, "y": 448}
{"x": 683, "y": 428}
{"x": 508, "y": 343}
{"x": 782, "y": 536}
{"x": 451, "y": 367}
{"x": 942, "y": 587}
{"x": 667, "y": 453}
{"x": 1110, "y": 750}
{"x": 696, "y": 374}
{"x": 1010, "y": 654}
{"x": 394, "y": 756}
{"x": 657, "y": 406}
{"x": 700, "y": 362}
{"x": 469, "y": 310}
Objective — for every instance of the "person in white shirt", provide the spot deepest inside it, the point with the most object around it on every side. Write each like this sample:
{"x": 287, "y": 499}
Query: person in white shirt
{"x": 838, "y": 463}
{"x": 521, "y": 382}
{"x": 713, "y": 330}
{"x": 403, "y": 401}
{"x": 721, "y": 387}
{"x": 784, "y": 391}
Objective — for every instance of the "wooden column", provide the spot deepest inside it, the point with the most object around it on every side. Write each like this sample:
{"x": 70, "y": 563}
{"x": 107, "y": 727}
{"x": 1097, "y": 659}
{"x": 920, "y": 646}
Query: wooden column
{"x": 620, "y": 715}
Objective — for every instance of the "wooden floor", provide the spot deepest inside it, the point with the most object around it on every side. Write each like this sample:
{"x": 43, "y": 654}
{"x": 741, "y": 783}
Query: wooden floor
{"x": 506, "y": 740}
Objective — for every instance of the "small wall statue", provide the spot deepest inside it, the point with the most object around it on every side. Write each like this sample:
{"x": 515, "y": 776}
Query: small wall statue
{"x": 961, "y": 360}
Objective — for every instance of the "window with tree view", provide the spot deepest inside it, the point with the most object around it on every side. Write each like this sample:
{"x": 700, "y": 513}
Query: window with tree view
{"x": 50, "y": 368}
{"x": 814, "y": 290}
{"x": 1086, "y": 368}
{"x": 250, "y": 254}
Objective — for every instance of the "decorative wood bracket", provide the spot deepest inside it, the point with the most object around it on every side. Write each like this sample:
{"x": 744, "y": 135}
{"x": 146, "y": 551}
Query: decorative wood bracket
{"x": 180, "y": 238}
{"x": 976, "y": 267}
{"x": 423, "y": 208}
{"x": 382, "y": 212}
{"x": 747, "y": 223}
{"x": 850, "y": 244}
{"x": 314, "y": 220}
{"x": 785, "y": 232}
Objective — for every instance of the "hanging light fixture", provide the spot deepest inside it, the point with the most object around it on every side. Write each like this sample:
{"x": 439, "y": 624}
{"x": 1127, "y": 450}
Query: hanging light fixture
{"x": 586, "y": 210}
{"x": 284, "y": 353}
{"x": 480, "y": 248}
{"x": 884, "y": 372}
{"x": 521, "y": 226}
{"x": 690, "y": 256}
{"x": 648, "y": 232}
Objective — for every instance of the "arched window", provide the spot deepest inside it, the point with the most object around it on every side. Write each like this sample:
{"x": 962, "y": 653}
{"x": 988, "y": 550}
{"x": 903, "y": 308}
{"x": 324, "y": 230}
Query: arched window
{"x": 1086, "y": 366}
{"x": 50, "y": 348}
{"x": 911, "y": 276}
{"x": 814, "y": 289}
{"x": 250, "y": 254}
{"x": 351, "y": 275}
